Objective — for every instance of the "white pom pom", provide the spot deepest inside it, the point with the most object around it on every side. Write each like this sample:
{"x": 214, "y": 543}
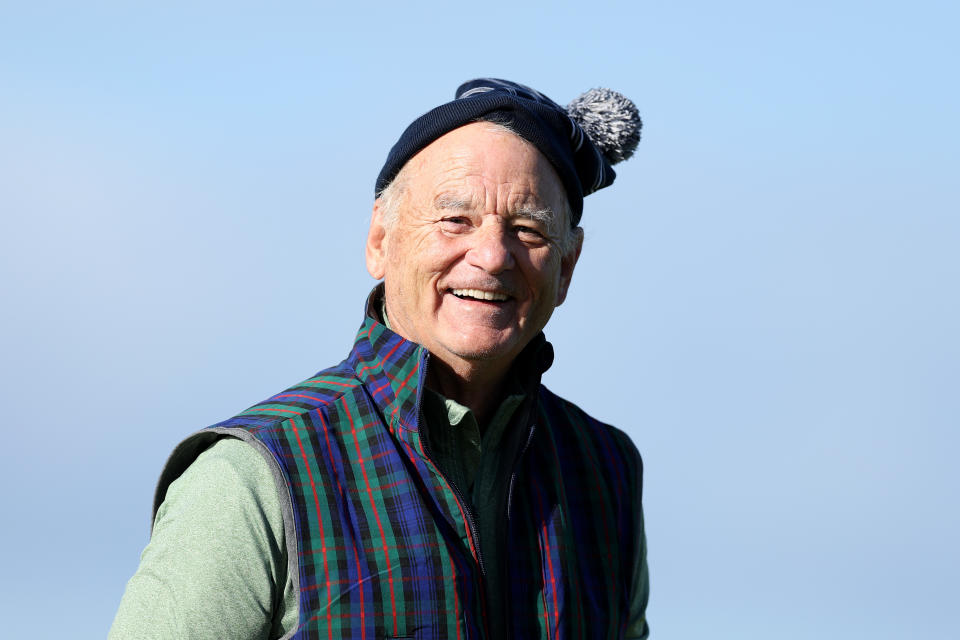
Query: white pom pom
{"x": 611, "y": 121}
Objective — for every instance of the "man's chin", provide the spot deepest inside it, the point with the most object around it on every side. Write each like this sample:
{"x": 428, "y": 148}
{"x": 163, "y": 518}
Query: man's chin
{"x": 483, "y": 348}
{"x": 481, "y": 355}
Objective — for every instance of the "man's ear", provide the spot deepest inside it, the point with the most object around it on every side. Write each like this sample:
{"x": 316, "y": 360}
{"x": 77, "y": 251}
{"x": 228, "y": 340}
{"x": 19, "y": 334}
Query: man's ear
{"x": 377, "y": 243}
{"x": 567, "y": 262}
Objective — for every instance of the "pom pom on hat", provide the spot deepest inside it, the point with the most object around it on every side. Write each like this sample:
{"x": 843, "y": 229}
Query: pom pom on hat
{"x": 610, "y": 120}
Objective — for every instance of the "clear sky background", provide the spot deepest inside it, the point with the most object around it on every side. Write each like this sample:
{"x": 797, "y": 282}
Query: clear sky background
{"x": 767, "y": 300}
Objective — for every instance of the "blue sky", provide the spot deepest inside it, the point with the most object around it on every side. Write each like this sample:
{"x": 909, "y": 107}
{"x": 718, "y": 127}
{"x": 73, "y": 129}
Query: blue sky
{"x": 767, "y": 298}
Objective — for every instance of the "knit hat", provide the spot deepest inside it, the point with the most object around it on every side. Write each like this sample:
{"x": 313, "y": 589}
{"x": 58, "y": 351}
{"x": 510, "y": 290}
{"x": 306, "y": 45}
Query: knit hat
{"x": 598, "y": 129}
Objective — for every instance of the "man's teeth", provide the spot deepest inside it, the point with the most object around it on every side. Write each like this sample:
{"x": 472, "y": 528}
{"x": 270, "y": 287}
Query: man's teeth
{"x": 479, "y": 295}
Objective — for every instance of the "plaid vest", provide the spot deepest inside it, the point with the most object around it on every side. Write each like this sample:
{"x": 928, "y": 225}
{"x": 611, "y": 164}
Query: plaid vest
{"x": 382, "y": 546}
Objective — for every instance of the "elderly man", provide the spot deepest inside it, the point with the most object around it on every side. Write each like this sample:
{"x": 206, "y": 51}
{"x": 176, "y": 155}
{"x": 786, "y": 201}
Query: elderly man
{"x": 428, "y": 486}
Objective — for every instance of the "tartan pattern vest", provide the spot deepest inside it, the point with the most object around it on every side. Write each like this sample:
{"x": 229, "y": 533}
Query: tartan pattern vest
{"x": 380, "y": 544}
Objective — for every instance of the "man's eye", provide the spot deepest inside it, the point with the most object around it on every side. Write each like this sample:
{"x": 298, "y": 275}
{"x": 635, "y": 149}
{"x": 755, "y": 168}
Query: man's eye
{"x": 454, "y": 223}
{"x": 529, "y": 233}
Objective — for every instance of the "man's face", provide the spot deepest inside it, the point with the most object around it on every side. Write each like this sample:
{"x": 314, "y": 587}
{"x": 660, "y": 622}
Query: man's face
{"x": 473, "y": 264}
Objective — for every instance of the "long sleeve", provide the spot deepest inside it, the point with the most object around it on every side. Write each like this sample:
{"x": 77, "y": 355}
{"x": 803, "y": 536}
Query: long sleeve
{"x": 216, "y": 564}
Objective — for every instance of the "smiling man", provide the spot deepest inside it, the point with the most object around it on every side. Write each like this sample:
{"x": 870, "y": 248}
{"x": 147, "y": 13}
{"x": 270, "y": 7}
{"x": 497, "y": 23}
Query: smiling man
{"x": 475, "y": 252}
{"x": 429, "y": 486}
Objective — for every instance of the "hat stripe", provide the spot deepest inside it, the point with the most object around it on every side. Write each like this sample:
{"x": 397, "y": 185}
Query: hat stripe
{"x": 474, "y": 91}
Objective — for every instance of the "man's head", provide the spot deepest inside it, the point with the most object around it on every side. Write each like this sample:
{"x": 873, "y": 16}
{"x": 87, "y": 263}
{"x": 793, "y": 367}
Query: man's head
{"x": 475, "y": 227}
{"x": 474, "y": 243}
{"x": 582, "y": 141}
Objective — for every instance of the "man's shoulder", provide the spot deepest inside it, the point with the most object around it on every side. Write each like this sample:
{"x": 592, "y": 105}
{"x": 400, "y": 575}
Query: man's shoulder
{"x": 266, "y": 417}
{"x": 589, "y": 452}
{"x": 561, "y": 411}
{"x": 316, "y": 392}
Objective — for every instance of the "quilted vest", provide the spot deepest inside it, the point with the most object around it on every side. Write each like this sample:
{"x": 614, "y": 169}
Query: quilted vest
{"x": 382, "y": 546}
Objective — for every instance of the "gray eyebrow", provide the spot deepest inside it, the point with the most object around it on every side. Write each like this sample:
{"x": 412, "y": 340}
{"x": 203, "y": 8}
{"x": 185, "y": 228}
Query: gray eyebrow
{"x": 452, "y": 201}
{"x": 543, "y": 215}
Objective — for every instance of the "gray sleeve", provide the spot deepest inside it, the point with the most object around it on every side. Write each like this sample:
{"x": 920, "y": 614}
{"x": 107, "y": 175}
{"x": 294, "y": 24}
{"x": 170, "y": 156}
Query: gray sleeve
{"x": 216, "y": 564}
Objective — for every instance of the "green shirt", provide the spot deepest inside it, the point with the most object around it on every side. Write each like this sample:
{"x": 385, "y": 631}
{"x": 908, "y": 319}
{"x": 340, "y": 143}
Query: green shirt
{"x": 216, "y": 563}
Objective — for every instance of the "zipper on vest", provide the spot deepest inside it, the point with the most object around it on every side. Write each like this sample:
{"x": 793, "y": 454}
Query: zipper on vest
{"x": 513, "y": 473}
{"x": 470, "y": 521}
{"x": 465, "y": 505}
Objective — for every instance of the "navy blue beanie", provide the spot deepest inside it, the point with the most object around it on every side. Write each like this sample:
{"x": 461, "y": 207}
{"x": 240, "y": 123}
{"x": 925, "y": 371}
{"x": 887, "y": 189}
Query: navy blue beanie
{"x": 595, "y": 131}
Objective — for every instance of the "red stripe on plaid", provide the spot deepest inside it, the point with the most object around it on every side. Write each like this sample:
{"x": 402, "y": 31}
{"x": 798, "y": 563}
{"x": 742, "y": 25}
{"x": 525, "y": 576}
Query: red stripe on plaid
{"x": 393, "y": 414}
{"x": 382, "y": 487}
{"x": 403, "y": 579}
{"x": 376, "y": 514}
{"x": 301, "y": 395}
{"x": 553, "y": 578}
{"x": 543, "y": 593}
{"x": 349, "y": 385}
{"x": 379, "y": 365}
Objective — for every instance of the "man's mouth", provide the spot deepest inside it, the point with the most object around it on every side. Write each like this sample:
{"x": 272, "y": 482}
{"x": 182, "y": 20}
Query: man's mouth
{"x": 477, "y": 294}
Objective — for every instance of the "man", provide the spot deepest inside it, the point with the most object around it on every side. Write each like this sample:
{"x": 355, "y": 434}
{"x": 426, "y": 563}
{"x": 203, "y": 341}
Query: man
{"x": 428, "y": 486}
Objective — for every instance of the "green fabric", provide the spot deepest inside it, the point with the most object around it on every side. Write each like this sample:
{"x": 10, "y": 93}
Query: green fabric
{"x": 216, "y": 564}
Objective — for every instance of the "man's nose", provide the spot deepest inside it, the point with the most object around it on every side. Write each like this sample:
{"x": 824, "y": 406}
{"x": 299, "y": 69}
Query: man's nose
{"x": 490, "y": 250}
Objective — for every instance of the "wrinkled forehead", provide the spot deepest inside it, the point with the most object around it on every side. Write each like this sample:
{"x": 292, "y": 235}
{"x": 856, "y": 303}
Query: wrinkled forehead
{"x": 467, "y": 166}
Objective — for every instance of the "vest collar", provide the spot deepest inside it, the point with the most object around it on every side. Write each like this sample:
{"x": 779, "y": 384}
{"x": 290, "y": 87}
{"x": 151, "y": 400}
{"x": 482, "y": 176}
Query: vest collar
{"x": 394, "y": 369}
